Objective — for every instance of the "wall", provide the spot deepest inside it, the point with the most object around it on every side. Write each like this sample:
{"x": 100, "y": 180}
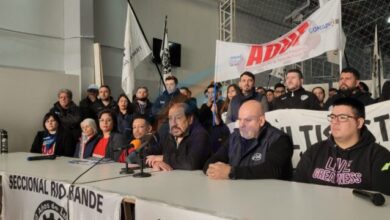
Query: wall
{"x": 32, "y": 62}
{"x": 26, "y": 95}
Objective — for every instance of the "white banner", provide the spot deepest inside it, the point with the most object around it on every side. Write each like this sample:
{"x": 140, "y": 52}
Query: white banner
{"x": 136, "y": 49}
{"x": 307, "y": 127}
{"x": 147, "y": 210}
{"x": 27, "y": 197}
{"x": 319, "y": 33}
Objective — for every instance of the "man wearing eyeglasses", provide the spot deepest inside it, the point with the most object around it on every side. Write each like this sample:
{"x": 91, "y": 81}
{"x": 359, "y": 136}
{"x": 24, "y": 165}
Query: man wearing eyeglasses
{"x": 349, "y": 157}
{"x": 256, "y": 150}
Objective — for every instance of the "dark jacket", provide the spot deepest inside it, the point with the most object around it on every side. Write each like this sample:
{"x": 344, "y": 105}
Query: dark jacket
{"x": 299, "y": 99}
{"x": 206, "y": 115}
{"x": 144, "y": 110}
{"x": 86, "y": 109}
{"x": 70, "y": 118}
{"x": 65, "y": 144}
{"x": 98, "y": 106}
{"x": 237, "y": 101}
{"x": 267, "y": 157}
{"x": 191, "y": 153}
{"x": 365, "y": 98}
{"x": 89, "y": 147}
{"x": 361, "y": 166}
{"x": 116, "y": 143}
{"x": 124, "y": 124}
{"x": 163, "y": 100}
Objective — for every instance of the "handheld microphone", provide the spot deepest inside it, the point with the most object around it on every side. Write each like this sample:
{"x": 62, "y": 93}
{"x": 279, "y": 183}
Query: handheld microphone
{"x": 42, "y": 157}
{"x": 376, "y": 198}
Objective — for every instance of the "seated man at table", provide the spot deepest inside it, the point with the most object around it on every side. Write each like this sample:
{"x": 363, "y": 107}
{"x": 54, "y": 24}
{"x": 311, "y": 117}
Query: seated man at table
{"x": 187, "y": 147}
{"x": 256, "y": 150}
{"x": 349, "y": 157}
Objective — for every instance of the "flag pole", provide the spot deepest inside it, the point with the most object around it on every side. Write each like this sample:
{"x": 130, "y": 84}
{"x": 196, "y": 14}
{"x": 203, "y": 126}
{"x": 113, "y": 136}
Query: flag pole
{"x": 143, "y": 33}
{"x": 340, "y": 39}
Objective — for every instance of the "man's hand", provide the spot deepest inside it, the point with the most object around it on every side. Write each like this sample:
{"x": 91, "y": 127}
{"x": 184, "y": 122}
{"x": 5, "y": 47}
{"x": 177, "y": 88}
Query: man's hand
{"x": 151, "y": 159}
{"x": 218, "y": 170}
{"x": 161, "y": 166}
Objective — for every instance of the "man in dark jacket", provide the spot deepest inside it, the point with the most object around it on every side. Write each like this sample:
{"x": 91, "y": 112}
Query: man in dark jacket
{"x": 348, "y": 87}
{"x": 141, "y": 102}
{"x": 168, "y": 96}
{"x": 68, "y": 112}
{"x": 188, "y": 145}
{"x": 296, "y": 97}
{"x": 248, "y": 92}
{"x": 256, "y": 150}
{"x": 349, "y": 157}
{"x": 86, "y": 110}
{"x": 105, "y": 101}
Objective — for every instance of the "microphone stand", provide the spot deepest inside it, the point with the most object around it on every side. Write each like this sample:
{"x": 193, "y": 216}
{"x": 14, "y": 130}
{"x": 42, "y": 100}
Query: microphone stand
{"x": 126, "y": 170}
{"x": 142, "y": 174}
{"x": 74, "y": 181}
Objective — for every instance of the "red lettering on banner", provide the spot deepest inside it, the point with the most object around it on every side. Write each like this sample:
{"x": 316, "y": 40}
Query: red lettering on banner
{"x": 256, "y": 53}
{"x": 271, "y": 51}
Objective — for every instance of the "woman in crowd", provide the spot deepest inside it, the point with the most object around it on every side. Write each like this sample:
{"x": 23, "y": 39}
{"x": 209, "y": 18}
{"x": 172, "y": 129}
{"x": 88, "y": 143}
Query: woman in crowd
{"x": 124, "y": 116}
{"x": 232, "y": 90}
{"x": 319, "y": 92}
{"x": 88, "y": 139}
{"x": 110, "y": 141}
{"x": 54, "y": 139}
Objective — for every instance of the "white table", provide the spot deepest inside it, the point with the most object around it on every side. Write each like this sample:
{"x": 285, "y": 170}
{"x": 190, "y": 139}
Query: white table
{"x": 192, "y": 190}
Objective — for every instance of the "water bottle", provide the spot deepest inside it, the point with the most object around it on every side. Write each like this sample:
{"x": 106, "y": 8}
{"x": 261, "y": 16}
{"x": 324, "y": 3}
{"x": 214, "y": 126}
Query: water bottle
{"x": 3, "y": 141}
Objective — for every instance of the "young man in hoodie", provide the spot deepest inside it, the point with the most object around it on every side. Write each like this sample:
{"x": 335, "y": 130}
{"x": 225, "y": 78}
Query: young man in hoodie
{"x": 349, "y": 157}
{"x": 296, "y": 96}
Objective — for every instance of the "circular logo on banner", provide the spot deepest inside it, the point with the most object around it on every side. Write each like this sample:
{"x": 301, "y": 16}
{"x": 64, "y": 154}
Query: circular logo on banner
{"x": 49, "y": 210}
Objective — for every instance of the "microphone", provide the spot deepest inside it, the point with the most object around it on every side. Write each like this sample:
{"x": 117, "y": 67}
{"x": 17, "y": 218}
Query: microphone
{"x": 123, "y": 157}
{"x": 146, "y": 140}
{"x": 376, "y": 198}
{"x": 42, "y": 157}
{"x": 134, "y": 144}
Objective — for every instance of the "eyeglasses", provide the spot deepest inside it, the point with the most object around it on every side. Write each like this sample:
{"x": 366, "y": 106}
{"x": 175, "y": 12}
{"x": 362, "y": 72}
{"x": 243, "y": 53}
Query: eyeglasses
{"x": 340, "y": 118}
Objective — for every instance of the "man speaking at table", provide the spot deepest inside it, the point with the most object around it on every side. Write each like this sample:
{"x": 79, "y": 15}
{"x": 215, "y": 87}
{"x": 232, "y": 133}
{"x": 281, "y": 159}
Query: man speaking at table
{"x": 256, "y": 150}
{"x": 187, "y": 147}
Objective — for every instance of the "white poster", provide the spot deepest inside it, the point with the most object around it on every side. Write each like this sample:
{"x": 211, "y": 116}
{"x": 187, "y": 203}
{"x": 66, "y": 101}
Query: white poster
{"x": 319, "y": 33}
{"x": 148, "y": 210}
{"x": 28, "y": 197}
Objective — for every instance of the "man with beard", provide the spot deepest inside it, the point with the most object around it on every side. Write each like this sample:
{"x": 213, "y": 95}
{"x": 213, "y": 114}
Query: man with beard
{"x": 256, "y": 150}
{"x": 296, "y": 97}
{"x": 187, "y": 146}
{"x": 248, "y": 92}
{"x": 105, "y": 101}
{"x": 348, "y": 87}
{"x": 68, "y": 112}
{"x": 141, "y": 102}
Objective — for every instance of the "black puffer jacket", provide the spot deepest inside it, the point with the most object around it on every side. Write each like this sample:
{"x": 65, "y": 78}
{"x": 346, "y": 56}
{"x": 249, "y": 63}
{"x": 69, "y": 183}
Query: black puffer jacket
{"x": 299, "y": 99}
